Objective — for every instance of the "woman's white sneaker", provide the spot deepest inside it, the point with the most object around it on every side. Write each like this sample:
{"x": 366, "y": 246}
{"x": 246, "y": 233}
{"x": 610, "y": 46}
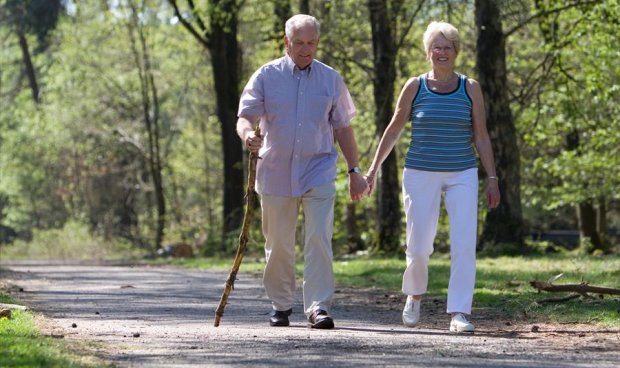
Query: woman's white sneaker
{"x": 460, "y": 324}
{"x": 411, "y": 312}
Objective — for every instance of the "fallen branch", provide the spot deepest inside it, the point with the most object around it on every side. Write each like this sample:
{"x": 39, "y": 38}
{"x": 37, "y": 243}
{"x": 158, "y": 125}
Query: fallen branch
{"x": 582, "y": 288}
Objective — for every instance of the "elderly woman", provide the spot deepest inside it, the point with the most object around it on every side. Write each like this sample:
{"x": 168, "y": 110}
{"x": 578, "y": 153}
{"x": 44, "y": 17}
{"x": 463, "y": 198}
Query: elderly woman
{"x": 447, "y": 115}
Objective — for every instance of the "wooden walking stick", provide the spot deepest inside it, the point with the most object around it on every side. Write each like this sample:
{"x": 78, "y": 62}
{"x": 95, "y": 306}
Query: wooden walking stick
{"x": 243, "y": 238}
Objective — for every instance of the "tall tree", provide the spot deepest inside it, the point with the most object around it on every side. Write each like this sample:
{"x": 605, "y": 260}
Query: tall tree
{"x": 37, "y": 17}
{"x": 304, "y": 6}
{"x": 504, "y": 224}
{"x": 218, "y": 34}
{"x": 579, "y": 93}
{"x": 150, "y": 112}
{"x": 282, "y": 12}
{"x": 384, "y": 16}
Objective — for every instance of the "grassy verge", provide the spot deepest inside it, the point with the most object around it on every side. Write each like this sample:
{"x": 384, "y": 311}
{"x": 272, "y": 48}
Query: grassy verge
{"x": 502, "y": 284}
{"x": 21, "y": 344}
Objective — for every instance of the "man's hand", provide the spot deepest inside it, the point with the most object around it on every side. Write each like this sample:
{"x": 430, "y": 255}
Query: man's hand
{"x": 249, "y": 135}
{"x": 253, "y": 142}
{"x": 358, "y": 187}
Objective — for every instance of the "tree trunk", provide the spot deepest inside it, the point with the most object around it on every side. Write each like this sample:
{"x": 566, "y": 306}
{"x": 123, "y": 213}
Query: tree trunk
{"x": 354, "y": 242}
{"x": 304, "y": 6}
{"x": 155, "y": 157}
{"x": 384, "y": 56}
{"x": 29, "y": 67}
{"x": 601, "y": 225}
{"x": 601, "y": 218}
{"x": 282, "y": 11}
{"x": 504, "y": 224}
{"x": 221, "y": 41}
{"x": 207, "y": 182}
{"x": 226, "y": 64}
{"x": 150, "y": 109}
{"x": 586, "y": 214}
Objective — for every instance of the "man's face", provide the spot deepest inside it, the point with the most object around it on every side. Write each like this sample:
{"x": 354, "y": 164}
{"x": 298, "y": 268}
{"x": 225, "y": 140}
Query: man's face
{"x": 302, "y": 46}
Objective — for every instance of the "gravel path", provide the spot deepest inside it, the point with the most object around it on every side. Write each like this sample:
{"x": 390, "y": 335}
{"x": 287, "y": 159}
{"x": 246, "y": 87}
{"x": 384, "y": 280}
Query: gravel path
{"x": 140, "y": 316}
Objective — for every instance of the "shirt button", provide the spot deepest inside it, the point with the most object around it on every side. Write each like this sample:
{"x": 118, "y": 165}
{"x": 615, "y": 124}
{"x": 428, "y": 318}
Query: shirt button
{"x": 298, "y": 141}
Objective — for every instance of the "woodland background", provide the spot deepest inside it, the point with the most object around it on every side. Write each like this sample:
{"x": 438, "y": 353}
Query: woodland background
{"x": 117, "y": 117}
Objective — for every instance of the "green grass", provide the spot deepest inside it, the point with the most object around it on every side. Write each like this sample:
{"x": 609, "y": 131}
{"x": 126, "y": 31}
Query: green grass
{"x": 502, "y": 284}
{"x": 249, "y": 264}
{"x": 21, "y": 344}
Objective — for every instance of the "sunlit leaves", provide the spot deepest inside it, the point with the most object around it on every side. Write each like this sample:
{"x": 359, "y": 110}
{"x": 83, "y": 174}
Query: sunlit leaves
{"x": 580, "y": 100}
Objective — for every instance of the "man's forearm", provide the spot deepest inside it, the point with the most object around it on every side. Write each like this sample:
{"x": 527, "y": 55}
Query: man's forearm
{"x": 348, "y": 146}
{"x": 244, "y": 125}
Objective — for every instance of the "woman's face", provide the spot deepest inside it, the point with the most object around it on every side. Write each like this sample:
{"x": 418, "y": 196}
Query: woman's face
{"x": 442, "y": 53}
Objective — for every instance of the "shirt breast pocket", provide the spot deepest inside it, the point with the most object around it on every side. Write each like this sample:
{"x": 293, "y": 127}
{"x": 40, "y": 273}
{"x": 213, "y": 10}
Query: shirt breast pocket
{"x": 319, "y": 126}
{"x": 319, "y": 109}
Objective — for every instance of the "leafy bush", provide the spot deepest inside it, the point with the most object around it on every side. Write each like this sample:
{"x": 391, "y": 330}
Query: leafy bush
{"x": 74, "y": 241}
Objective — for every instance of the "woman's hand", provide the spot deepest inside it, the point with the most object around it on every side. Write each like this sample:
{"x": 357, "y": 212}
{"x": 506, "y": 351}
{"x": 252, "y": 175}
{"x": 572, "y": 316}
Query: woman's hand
{"x": 493, "y": 196}
{"x": 371, "y": 179}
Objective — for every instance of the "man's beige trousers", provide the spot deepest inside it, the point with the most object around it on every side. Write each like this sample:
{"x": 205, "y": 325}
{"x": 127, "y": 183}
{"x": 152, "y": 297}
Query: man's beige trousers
{"x": 279, "y": 225}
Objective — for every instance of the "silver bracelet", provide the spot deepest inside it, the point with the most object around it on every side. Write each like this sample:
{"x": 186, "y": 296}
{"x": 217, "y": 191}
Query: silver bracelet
{"x": 493, "y": 177}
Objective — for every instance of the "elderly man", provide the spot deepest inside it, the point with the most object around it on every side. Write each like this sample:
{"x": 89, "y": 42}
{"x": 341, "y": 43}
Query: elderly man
{"x": 301, "y": 105}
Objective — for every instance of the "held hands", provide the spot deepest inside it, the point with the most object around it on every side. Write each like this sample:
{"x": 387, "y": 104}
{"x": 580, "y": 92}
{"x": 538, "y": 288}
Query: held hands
{"x": 492, "y": 190}
{"x": 361, "y": 186}
{"x": 358, "y": 187}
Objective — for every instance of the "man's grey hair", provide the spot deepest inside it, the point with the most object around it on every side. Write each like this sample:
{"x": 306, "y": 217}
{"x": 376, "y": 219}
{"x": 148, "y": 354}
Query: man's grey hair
{"x": 297, "y": 21}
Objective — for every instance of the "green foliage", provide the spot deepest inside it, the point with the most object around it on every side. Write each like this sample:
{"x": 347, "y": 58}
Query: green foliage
{"x": 572, "y": 134}
{"x": 74, "y": 241}
{"x": 31, "y": 170}
{"x": 79, "y": 156}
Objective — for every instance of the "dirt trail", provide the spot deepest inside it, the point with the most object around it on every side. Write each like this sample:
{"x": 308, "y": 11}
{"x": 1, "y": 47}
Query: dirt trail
{"x": 139, "y": 316}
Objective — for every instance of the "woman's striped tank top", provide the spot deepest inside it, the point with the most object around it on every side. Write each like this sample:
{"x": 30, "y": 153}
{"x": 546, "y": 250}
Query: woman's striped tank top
{"x": 441, "y": 130}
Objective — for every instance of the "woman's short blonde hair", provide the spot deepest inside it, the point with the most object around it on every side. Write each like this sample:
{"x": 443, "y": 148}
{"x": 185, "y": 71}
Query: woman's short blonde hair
{"x": 441, "y": 28}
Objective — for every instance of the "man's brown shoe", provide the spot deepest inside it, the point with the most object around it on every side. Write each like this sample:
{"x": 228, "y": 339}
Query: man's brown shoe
{"x": 280, "y": 318}
{"x": 320, "y": 319}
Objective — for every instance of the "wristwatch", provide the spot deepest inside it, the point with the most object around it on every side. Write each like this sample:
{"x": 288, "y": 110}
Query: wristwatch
{"x": 355, "y": 169}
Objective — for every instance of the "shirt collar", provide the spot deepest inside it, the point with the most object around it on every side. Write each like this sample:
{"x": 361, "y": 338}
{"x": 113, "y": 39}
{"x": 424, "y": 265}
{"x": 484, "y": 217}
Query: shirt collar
{"x": 292, "y": 67}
